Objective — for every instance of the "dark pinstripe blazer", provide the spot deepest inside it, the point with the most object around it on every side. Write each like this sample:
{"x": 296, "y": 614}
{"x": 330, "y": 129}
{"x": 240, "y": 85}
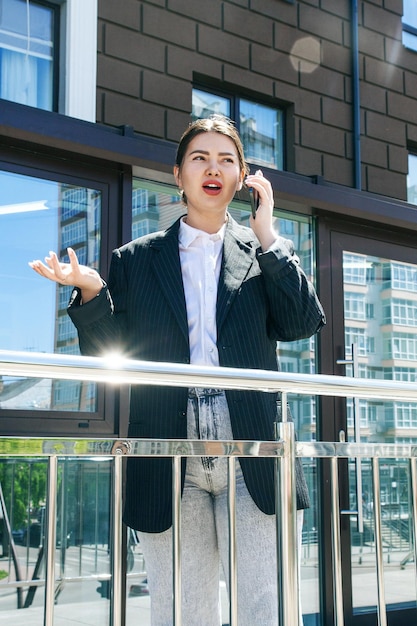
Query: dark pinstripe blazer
{"x": 262, "y": 298}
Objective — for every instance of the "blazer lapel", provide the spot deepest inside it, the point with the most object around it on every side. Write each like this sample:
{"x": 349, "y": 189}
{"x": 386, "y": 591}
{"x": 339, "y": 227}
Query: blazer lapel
{"x": 238, "y": 256}
{"x": 167, "y": 272}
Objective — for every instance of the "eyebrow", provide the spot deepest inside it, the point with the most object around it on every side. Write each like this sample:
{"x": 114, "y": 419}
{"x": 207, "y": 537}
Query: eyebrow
{"x": 207, "y": 152}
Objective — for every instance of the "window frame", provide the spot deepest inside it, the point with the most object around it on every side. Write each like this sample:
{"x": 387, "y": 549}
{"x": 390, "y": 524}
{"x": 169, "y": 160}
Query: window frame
{"x": 105, "y": 419}
{"x": 55, "y": 9}
{"x": 235, "y": 99}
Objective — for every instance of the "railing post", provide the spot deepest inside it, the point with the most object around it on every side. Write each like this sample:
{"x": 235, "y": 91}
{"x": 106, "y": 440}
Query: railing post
{"x": 413, "y": 476}
{"x": 176, "y": 540}
{"x": 232, "y": 541}
{"x": 336, "y": 548}
{"x": 287, "y": 553}
{"x": 382, "y": 613}
{"x": 50, "y": 540}
{"x": 116, "y": 596}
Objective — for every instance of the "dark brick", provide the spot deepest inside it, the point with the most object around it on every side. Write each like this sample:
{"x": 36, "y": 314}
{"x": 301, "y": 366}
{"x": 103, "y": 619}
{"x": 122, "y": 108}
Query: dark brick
{"x": 374, "y": 152}
{"x": 308, "y": 162}
{"x": 371, "y": 43}
{"x": 336, "y": 113}
{"x": 118, "y": 76}
{"x": 396, "y": 6}
{"x": 262, "y": 85}
{"x": 373, "y": 97}
{"x": 223, "y": 46}
{"x": 110, "y": 11}
{"x": 402, "y": 107}
{"x": 170, "y": 92}
{"x": 134, "y": 47}
{"x": 341, "y": 8}
{"x": 186, "y": 65}
{"x": 387, "y": 183}
{"x": 385, "y": 128}
{"x": 323, "y": 138}
{"x": 324, "y": 81}
{"x": 248, "y": 24}
{"x": 272, "y": 63}
{"x": 398, "y": 159}
{"x": 303, "y": 107}
{"x": 205, "y": 12}
{"x": 285, "y": 36}
{"x": 144, "y": 117}
{"x": 338, "y": 170}
{"x": 381, "y": 21}
{"x": 320, "y": 23}
{"x": 411, "y": 134}
{"x": 169, "y": 26}
{"x": 383, "y": 74}
{"x": 177, "y": 122}
{"x": 336, "y": 57}
{"x": 279, "y": 11}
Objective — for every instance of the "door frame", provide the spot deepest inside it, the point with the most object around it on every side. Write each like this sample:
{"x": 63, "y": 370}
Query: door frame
{"x": 333, "y": 236}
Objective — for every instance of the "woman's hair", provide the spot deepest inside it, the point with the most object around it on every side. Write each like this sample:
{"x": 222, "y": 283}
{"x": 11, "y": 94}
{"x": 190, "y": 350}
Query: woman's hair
{"x": 217, "y": 124}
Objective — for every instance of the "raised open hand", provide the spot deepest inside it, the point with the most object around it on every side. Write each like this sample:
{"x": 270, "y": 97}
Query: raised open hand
{"x": 72, "y": 273}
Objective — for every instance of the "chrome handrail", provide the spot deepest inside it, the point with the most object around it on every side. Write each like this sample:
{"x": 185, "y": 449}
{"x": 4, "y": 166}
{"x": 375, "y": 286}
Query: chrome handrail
{"x": 117, "y": 371}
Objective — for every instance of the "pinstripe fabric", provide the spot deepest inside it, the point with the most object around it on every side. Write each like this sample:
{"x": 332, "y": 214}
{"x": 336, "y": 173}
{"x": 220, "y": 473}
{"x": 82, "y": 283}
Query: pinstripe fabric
{"x": 262, "y": 298}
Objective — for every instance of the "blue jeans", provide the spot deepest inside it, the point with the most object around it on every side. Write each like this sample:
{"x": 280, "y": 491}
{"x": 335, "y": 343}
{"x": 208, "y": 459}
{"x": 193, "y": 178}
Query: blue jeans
{"x": 204, "y": 537}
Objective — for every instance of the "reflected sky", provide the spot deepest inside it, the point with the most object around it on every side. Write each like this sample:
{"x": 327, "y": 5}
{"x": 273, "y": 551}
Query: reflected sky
{"x": 28, "y": 230}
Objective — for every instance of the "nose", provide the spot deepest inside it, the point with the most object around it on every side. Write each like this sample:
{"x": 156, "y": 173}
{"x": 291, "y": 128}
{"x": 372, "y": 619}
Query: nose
{"x": 212, "y": 168}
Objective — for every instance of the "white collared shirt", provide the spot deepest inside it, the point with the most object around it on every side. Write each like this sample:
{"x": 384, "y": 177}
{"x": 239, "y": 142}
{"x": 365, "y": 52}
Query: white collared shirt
{"x": 201, "y": 257}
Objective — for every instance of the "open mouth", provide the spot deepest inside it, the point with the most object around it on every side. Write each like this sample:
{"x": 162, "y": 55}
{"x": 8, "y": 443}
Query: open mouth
{"x": 212, "y": 188}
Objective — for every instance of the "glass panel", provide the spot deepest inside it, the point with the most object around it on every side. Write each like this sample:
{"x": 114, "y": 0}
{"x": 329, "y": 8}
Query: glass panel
{"x": 26, "y": 53}
{"x": 380, "y": 304}
{"x": 205, "y": 104}
{"x": 410, "y": 24}
{"x": 37, "y": 216}
{"x": 82, "y": 540}
{"x": 261, "y": 129}
{"x": 412, "y": 179}
{"x": 155, "y": 207}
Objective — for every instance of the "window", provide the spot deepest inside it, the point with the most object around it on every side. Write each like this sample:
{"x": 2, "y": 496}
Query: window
{"x": 412, "y": 177}
{"x": 410, "y": 24}
{"x": 261, "y": 127}
{"x": 47, "y": 215}
{"x": 29, "y": 45}
{"x": 355, "y": 306}
{"x": 48, "y": 55}
{"x": 354, "y": 268}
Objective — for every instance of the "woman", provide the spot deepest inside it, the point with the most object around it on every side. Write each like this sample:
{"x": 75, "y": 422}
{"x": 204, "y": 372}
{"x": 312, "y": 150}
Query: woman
{"x": 206, "y": 291}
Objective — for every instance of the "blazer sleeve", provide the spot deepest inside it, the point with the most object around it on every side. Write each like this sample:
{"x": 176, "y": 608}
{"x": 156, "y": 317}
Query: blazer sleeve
{"x": 99, "y": 323}
{"x": 295, "y": 310}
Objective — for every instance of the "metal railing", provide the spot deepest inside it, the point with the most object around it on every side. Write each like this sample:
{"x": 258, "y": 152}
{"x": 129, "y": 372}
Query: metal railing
{"x": 284, "y": 450}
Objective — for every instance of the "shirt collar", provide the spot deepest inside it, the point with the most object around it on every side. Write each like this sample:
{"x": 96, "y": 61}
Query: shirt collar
{"x": 187, "y": 234}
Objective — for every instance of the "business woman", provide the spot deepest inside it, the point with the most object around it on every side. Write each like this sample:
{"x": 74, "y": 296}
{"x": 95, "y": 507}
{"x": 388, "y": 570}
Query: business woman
{"x": 205, "y": 291}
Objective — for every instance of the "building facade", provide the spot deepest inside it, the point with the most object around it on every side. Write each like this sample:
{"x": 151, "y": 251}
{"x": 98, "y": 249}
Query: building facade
{"x": 94, "y": 95}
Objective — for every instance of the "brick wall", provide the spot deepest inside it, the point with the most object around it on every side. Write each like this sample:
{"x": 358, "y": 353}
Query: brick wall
{"x": 296, "y": 54}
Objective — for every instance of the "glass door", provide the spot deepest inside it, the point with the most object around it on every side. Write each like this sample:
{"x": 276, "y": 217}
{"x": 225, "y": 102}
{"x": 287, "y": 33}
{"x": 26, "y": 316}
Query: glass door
{"x": 374, "y": 295}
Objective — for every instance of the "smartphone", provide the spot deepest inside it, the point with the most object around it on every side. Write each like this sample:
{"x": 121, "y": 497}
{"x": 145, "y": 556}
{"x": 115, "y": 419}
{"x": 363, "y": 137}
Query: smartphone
{"x": 254, "y": 198}
{"x": 254, "y": 201}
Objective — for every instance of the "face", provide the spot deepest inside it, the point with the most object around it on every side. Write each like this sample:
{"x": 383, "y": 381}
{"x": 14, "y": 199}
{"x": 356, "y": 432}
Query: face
{"x": 210, "y": 173}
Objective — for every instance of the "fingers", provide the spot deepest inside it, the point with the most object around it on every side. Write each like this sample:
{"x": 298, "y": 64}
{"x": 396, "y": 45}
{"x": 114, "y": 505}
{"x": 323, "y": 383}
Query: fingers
{"x": 53, "y": 269}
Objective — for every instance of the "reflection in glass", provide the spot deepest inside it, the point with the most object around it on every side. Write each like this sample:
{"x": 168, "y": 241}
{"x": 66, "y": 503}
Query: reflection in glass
{"x": 83, "y": 539}
{"x": 26, "y": 53}
{"x": 380, "y": 310}
{"x": 261, "y": 129}
{"x": 37, "y": 216}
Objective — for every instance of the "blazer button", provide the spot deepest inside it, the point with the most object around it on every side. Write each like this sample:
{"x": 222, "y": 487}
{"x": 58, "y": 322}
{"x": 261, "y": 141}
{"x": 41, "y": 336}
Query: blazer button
{"x": 182, "y": 414}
